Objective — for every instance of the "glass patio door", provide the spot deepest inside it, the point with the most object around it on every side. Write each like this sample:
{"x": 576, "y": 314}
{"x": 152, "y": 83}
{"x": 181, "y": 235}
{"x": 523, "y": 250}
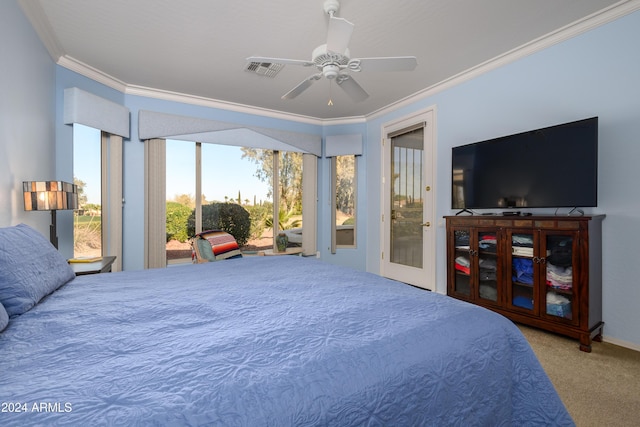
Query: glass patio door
{"x": 408, "y": 247}
{"x": 406, "y": 199}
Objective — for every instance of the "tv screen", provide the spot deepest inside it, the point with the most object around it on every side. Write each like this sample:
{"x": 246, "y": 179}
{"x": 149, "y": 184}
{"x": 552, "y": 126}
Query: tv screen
{"x": 551, "y": 167}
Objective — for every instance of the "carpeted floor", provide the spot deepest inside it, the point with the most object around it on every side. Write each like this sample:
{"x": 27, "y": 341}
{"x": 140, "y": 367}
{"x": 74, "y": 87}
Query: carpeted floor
{"x": 601, "y": 388}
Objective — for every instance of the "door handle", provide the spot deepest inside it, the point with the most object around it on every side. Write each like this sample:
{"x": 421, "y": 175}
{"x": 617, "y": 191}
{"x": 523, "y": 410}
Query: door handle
{"x": 426, "y": 224}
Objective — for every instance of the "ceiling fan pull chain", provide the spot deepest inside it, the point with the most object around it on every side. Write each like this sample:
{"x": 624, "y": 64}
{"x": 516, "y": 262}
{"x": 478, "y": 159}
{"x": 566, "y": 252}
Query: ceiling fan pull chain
{"x": 330, "y": 103}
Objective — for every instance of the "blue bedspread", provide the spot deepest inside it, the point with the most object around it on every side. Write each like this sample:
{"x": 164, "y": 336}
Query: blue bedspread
{"x": 266, "y": 341}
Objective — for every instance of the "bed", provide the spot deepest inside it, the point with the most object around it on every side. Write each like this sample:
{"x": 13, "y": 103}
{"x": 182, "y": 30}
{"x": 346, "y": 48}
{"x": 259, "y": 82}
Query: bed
{"x": 260, "y": 341}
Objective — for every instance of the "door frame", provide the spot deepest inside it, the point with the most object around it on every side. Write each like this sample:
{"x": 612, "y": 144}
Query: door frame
{"x": 427, "y": 278}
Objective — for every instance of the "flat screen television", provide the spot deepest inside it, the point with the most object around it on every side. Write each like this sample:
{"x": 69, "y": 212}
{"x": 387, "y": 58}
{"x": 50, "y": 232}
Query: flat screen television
{"x": 552, "y": 167}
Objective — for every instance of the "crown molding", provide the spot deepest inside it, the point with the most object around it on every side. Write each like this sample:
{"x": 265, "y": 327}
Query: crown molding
{"x": 215, "y": 103}
{"x": 576, "y": 28}
{"x": 88, "y": 71}
{"x": 581, "y": 26}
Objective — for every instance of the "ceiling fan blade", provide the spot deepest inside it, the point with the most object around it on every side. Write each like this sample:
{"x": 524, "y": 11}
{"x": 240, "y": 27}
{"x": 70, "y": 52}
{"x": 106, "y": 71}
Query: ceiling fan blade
{"x": 267, "y": 60}
{"x": 352, "y": 88}
{"x": 304, "y": 85}
{"x": 339, "y": 35}
{"x": 397, "y": 63}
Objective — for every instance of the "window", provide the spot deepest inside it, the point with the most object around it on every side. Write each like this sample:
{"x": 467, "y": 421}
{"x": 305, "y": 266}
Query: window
{"x": 180, "y": 198}
{"x": 289, "y": 188}
{"x": 152, "y": 128}
{"x": 200, "y": 175}
{"x": 344, "y": 201}
{"x": 99, "y": 126}
{"x": 87, "y": 167}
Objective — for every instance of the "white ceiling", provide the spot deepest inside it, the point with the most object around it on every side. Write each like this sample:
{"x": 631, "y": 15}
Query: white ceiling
{"x": 198, "y": 48}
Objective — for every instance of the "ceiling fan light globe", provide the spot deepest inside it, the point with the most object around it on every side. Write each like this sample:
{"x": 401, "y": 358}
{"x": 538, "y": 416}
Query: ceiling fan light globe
{"x": 330, "y": 71}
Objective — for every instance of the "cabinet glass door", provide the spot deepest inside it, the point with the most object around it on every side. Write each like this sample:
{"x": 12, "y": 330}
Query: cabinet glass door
{"x": 559, "y": 276}
{"x": 488, "y": 266}
{"x": 462, "y": 262}
{"x": 522, "y": 275}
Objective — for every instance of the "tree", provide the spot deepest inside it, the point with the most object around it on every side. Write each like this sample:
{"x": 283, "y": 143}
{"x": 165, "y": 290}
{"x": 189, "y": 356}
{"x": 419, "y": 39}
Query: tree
{"x": 229, "y": 217}
{"x": 82, "y": 197}
{"x": 257, "y": 215}
{"x": 290, "y": 175}
{"x": 285, "y": 220}
{"x": 185, "y": 199}
{"x": 177, "y": 217}
{"x": 345, "y": 184}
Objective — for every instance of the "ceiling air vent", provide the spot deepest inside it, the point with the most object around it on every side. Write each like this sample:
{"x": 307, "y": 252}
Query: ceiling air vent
{"x": 269, "y": 69}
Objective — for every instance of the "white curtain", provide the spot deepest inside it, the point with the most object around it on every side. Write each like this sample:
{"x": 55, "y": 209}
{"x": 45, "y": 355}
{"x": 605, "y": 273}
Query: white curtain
{"x": 309, "y": 204}
{"x": 111, "y": 154}
{"x": 155, "y": 166}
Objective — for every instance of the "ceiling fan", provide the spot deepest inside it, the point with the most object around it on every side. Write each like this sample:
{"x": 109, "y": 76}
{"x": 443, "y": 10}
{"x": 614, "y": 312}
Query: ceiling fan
{"x": 334, "y": 61}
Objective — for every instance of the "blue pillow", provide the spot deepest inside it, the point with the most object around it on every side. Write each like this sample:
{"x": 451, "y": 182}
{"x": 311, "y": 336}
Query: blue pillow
{"x": 4, "y": 318}
{"x": 30, "y": 268}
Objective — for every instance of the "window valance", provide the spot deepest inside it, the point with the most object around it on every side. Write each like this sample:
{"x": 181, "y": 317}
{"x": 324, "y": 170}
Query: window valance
{"x": 343, "y": 145}
{"x": 91, "y": 110}
{"x": 153, "y": 124}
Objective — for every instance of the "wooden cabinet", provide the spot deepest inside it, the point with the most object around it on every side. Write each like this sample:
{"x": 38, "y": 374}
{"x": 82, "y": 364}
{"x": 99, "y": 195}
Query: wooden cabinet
{"x": 543, "y": 271}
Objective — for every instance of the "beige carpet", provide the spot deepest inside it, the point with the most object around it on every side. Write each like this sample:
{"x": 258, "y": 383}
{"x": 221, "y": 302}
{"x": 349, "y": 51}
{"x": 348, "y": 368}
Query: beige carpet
{"x": 601, "y": 388}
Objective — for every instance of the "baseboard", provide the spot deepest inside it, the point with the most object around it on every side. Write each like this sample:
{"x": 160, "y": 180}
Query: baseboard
{"x": 621, "y": 343}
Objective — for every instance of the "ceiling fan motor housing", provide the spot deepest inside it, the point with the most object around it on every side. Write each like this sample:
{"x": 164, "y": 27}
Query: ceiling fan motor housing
{"x": 331, "y": 7}
{"x": 323, "y": 57}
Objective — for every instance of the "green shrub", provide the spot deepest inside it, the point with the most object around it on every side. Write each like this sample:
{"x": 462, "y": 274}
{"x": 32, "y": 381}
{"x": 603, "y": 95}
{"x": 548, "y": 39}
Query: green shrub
{"x": 349, "y": 221}
{"x": 177, "y": 217}
{"x": 257, "y": 214}
{"x": 229, "y": 217}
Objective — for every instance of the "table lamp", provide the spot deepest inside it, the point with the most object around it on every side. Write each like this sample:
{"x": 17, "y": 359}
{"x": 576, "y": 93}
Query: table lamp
{"x": 50, "y": 196}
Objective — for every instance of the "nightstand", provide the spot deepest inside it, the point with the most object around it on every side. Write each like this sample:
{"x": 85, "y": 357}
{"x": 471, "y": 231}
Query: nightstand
{"x": 102, "y": 266}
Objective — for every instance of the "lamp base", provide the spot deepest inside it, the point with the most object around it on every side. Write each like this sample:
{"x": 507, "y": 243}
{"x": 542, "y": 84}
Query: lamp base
{"x": 53, "y": 235}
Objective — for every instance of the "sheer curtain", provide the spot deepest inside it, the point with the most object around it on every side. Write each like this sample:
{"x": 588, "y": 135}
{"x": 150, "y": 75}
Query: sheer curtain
{"x": 111, "y": 154}
{"x": 155, "y": 166}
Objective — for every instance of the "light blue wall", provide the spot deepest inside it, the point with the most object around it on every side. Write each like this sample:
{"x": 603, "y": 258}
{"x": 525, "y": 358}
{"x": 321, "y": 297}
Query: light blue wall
{"x": 27, "y": 112}
{"x": 594, "y": 74}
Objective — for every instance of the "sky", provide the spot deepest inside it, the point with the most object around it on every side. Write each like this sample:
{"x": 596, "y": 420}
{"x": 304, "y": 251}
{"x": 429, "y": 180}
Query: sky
{"x": 224, "y": 172}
